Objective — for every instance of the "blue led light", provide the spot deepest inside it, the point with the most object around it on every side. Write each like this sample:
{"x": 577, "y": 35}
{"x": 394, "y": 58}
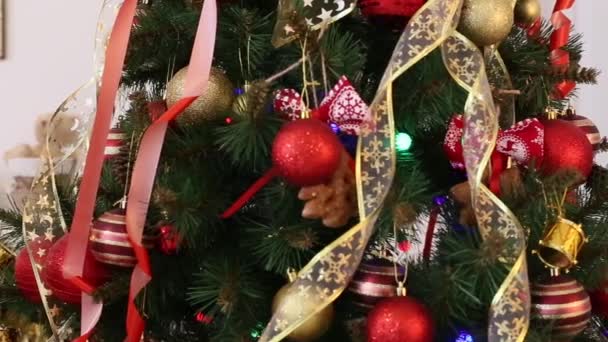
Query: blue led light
{"x": 464, "y": 337}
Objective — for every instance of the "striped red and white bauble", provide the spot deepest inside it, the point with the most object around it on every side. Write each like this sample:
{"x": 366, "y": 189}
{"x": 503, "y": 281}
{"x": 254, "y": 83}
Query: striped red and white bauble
{"x": 374, "y": 281}
{"x": 588, "y": 127}
{"x": 116, "y": 139}
{"x": 110, "y": 242}
{"x": 564, "y": 302}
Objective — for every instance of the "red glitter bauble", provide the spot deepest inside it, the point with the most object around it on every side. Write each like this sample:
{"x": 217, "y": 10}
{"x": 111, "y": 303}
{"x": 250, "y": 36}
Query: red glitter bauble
{"x": 169, "y": 240}
{"x": 110, "y": 242}
{"x": 25, "y": 278}
{"x": 374, "y": 281}
{"x": 94, "y": 273}
{"x": 599, "y": 300}
{"x": 390, "y": 13}
{"x": 306, "y": 152}
{"x": 566, "y": 147}
{"x": 400, "y": 319}
{"x": 564, "y": 303}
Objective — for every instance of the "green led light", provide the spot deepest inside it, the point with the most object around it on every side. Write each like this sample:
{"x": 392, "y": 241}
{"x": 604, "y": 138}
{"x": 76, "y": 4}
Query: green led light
{"x": 403, "y": 142}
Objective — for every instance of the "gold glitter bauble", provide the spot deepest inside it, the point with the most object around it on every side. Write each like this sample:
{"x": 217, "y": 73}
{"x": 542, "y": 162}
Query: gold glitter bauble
{"x": 296, "y": 306}
{"x": 486, "y": 22}
{"x": 527, "y": 12}
{"x": 240, "y": 105}
{"x": 216, "y": 99}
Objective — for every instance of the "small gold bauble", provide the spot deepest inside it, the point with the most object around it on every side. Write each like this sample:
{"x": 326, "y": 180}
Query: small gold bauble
{"x": 240, "y": 105}
{"x": 314, "y": 327}
{"x": 486, "y": 22}
{"x": 527, "y": 12}
{"x": 5, "y": 256}
{"x": 214, "y": 101}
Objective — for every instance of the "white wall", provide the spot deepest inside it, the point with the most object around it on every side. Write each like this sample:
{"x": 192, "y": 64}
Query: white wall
{"x": 49, "y": 48}
{"x": 588, "y": 18}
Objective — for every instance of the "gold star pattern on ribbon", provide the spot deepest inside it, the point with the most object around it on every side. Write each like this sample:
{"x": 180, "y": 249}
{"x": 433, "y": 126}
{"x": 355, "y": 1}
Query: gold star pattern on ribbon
{"x": 329, "y": 272}
{"x": 313, "y": 15}
{"x": 509, "y": 315}
{"x": 43, "y": 221}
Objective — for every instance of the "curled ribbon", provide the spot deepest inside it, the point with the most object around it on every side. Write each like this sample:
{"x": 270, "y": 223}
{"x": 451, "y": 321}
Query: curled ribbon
{"x": 43, "y": 221}
{"x": 509, "y": 315}
{"x": 144, "y": 170}
{"x": 78, "y": 237}
{"x": 326, "y": 276}
{"x": 523, "y": 142}
{"x": 560, "y": 58}
{"x": 342, "y": 106}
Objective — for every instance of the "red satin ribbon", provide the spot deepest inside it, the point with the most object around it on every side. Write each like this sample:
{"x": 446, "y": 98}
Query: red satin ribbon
{"x": 533, "y": 30}
{"x": 144, "y": 170}
{"x": 258, "y": 185}
{"x": 560, "y": 59}
{"x": 253, "y": 189}
{"x": 79, "y": 233}
{"x": 498, "y": 166}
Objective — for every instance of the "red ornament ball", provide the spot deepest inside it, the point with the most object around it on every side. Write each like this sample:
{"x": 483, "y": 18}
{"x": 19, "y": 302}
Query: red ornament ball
{"x": 599, "y": 300}
{"x": 566, "y": 147}
{"x": 169, "y": 240}
{"x": 390, "y": 13}
{"x": 564, "y": 302}
{"x": 400, "y": 319}
{"x": 94, "y": 273}
{"x": 588, "y": 127}
{"x": 306, "y": 152}
{"x": 374, "y": 281}
{"x": 25, "y": 278}
{"x": 110, "y": 242}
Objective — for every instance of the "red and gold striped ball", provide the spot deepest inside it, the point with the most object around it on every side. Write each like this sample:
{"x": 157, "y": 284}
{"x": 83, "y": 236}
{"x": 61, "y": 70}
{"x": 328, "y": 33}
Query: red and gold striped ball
{"x": 116, "y": 139}
{"x": 25, "y": 278}
{"x": 588, "y": 127}
{"x": 374, "y": 281}
{"x": 565, "y": 302}
{"x": 110, "y": 242}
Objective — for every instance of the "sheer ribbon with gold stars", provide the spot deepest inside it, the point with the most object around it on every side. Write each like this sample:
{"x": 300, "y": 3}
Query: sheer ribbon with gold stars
{"x": 313, "y": 14}
{"x": 329, "y": 272}
{"x": 510, "y": 308}
{"x": 43, "y": 221}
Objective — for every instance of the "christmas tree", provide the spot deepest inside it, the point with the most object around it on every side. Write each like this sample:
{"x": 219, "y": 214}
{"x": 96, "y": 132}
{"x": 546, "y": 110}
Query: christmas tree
{"x": 318, "y": 171}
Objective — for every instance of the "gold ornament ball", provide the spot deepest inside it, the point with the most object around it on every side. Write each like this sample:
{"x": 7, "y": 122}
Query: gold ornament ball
{"x": 216, "y": 99}
{"x": 240, "y": 105}
{"x": 486, "y": 22}
{"x": 527, "y": 11}
{"x": 314, "y": 327}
